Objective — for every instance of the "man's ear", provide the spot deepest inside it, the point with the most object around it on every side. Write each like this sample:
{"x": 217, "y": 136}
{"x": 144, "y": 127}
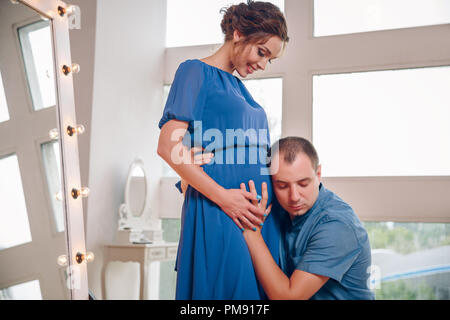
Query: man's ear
{"x": 319, "y": 172}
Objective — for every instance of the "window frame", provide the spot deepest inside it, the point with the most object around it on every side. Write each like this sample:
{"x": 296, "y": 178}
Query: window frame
{"x": 372, "y": 198}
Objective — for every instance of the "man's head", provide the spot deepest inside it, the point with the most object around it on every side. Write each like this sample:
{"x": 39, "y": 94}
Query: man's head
{"x": 297, "y": 176}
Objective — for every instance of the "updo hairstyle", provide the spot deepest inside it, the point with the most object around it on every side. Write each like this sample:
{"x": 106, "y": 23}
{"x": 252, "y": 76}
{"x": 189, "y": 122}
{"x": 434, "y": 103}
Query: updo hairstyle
{"x": 257, "y": 21}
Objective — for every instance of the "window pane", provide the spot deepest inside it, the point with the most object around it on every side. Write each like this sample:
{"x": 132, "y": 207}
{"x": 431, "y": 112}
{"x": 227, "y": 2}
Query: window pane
{"x": 268, "y": 93}
{"x": 14, "y": 226}
{"x": 37, "y": 51}
{"x": 185, "y": 29}
{"x": 413, "y": 259}
{"x": 4, "y": 114}
{"x": 51, "y": 159}
{"x": 24, "y": 291}
{"x": 168, "y": 277}
{"x": 333, "y": 17}
{"x": 383, "y": 123}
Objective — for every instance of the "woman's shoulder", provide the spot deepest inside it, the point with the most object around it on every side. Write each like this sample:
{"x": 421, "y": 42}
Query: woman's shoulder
{"x": 191, "y": 64}
{"x": 191, "y": 68}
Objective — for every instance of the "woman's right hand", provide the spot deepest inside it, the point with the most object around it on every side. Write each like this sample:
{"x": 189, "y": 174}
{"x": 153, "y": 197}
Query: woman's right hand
{"x": 236, "y": 204}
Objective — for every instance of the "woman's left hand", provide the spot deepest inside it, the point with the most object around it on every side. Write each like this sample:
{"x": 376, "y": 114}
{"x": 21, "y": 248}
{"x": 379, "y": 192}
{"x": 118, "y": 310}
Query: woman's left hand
{"x": 263, "y": 202}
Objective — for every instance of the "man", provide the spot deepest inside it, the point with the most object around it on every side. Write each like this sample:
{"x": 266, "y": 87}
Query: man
{"x": 325, "y": 250}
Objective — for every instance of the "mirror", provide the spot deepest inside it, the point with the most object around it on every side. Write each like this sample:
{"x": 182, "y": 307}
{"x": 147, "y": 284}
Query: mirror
{"x": 136, "y": 190}
{"x": 136, "y": 222}
{"x": 32, "y": 228}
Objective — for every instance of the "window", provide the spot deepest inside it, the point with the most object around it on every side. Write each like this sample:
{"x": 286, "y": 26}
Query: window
{"x": 37, "y": 52}
{"x": 30, "y": 290}
{"x": 185, "y": 29}
{"x": 269, "y": 94}
{"x": 168, "y": 277}
{"x": 51, "y": 159}
{"x": 412, "y": 260}
{"x": 333, "y": 17}
{"x": 383, "y": 123}
{"x": 4, "y": 114}
{"x": 14, "y": 226}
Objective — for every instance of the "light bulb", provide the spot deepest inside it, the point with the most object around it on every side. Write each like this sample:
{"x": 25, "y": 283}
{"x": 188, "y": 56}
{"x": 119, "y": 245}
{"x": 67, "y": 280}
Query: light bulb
{"x": 78, "y": 129}
{"x": 59, "y": 196}
{"x": 62, "y": 260}
{"x": 70, "y": 10}
{"x": 84, "y": 192}
{"x": 89, "y": 257}
{"x": 66, "y": 69}
{"x": 75, "y": 68}
{"x": 61, "y": 11}
{"x": 79, "y": 257}
{"x": 54, "y": 134}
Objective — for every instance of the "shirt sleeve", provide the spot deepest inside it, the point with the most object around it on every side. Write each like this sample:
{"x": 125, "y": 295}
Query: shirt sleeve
{"x": 331, "y": 250}
{"x": 187, "y": 94}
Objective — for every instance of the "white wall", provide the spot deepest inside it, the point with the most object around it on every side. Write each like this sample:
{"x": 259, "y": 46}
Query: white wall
{"x": 126, "y": 107}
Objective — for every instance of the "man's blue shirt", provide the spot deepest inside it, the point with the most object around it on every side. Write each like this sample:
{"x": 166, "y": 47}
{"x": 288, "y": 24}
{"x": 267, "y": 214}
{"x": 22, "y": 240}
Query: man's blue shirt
{"x": 328, "y": 240}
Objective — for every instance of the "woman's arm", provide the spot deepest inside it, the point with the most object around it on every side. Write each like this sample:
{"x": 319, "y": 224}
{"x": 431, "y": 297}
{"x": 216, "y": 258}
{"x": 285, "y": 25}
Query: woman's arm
{"x": 234, "y": 202}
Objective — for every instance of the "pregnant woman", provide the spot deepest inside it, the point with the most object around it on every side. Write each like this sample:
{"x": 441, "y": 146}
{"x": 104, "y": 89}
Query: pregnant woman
{"x": 209, "y": 107}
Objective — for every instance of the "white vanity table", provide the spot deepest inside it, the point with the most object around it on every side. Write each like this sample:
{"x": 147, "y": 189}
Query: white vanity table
{"x": 145, "y": 254}
{"x": 139, "y": 237}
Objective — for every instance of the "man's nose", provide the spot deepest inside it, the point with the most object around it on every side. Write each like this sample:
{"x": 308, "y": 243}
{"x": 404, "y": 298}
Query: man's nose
{"x": 294, "y": 195}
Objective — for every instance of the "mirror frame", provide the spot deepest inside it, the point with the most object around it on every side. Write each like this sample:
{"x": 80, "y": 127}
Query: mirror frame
{"x": 127, "y": 221}
{"x": 70, "y": 167}
{"x": 137, "y": 163}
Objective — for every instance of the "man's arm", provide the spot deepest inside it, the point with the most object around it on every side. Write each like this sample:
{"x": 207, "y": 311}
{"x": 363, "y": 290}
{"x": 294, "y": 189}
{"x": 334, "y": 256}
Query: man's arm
{"x": 301, "y": 286}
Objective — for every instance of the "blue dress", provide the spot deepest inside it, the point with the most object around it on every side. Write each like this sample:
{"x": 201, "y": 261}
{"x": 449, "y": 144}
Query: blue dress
{"x": 213, "y": 260}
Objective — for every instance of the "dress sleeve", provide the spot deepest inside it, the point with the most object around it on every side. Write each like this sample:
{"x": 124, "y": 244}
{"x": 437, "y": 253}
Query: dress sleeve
{"x": 331, "y": 250}
{"x": 187, "y": 94}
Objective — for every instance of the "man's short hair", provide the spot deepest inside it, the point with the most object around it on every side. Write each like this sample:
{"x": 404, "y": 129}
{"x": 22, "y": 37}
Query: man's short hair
{"x": 290, "y": 147}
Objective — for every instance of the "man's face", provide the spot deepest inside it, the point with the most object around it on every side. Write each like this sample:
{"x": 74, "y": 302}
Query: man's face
{"x": 296, "y": 185}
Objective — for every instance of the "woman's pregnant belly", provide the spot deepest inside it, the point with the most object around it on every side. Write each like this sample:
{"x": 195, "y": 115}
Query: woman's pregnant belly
{"x": 232, "y": 166}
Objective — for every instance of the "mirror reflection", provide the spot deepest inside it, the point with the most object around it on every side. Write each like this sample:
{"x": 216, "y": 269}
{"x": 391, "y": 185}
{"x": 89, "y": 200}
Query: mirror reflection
{"x": 32, "y": 232}
{"x": 137, "y": 190}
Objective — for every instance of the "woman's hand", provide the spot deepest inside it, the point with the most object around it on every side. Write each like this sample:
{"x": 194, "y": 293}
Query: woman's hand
{"x": 239, "y": 205}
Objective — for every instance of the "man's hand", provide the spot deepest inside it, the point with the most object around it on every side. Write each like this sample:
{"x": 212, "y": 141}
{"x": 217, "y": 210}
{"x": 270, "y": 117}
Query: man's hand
{"x": 263, "y": 202}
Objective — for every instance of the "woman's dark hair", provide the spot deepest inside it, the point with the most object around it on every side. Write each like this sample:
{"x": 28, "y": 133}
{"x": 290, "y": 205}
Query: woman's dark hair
{"x": 257, "y": 21}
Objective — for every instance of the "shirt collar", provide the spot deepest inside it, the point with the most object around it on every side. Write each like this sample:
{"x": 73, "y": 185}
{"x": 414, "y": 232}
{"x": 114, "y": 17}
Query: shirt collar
{"x": 300, "y": 219}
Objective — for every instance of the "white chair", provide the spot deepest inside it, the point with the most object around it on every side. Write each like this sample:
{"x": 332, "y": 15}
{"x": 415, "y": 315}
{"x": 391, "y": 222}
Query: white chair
{"x": 122, "y": 280}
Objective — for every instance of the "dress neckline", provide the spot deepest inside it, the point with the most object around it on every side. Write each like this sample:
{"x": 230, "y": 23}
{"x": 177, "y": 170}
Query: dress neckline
{"x": 217, "y": 68}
